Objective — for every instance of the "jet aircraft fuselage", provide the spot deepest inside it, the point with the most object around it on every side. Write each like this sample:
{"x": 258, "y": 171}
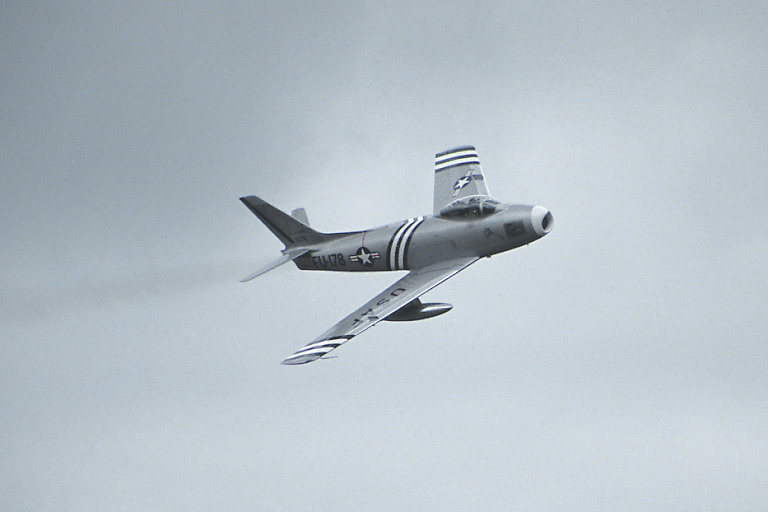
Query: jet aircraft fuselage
{"x": 423, "y": 241}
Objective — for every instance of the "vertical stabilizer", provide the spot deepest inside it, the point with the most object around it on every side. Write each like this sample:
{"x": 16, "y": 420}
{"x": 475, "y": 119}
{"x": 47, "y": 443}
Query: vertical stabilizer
{"x": 291, "y": 231}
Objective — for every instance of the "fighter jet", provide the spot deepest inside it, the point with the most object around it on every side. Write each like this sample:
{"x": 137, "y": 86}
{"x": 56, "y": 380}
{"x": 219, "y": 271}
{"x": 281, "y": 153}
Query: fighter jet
{"x": 466, "y": 224}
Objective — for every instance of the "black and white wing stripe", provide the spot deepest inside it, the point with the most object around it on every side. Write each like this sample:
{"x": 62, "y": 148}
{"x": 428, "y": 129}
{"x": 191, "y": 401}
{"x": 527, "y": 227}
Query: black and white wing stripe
{"x": 410, "y": 287}
{"x": 463, "y": 155}
{"x": 457, "y": 175}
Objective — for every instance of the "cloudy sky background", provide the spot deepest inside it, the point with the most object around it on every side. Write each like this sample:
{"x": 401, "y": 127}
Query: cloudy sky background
{"x": 620, "y": 362}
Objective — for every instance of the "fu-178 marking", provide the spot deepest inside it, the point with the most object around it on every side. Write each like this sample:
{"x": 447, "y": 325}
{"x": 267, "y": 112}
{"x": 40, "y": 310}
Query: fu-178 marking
{"x": 466, "y": 225}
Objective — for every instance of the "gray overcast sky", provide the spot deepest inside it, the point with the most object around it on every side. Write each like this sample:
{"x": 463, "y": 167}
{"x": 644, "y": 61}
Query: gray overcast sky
{"x": 619, "y": 363}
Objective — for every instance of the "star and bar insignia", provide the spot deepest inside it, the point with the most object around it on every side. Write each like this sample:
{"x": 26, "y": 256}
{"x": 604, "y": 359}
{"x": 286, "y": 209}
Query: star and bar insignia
{"x": 462, "y": 182}
{"x": 365, "y": 256}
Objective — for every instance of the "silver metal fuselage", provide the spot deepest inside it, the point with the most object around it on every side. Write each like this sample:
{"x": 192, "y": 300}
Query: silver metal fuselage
{"x": 423, "y": 241}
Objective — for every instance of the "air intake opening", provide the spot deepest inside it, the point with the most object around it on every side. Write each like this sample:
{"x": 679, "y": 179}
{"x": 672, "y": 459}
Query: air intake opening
{"x": 547, "y": 221}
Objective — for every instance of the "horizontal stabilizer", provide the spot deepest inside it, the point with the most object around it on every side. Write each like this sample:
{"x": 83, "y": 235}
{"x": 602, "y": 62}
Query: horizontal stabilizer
{"x": 300, "y": 214}
{"x": 285, "y": 258}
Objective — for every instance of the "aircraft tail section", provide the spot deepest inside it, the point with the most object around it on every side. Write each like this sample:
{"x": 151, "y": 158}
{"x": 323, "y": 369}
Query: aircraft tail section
{"x": 300, "y": 214}
{"x": 289, "y": 229}
{"x": 288, "y": 255}
{"x": 293, "y": 230}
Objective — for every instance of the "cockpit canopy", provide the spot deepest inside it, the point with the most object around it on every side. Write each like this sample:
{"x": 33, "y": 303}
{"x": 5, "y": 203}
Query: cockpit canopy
{"x": 471, "y": 206}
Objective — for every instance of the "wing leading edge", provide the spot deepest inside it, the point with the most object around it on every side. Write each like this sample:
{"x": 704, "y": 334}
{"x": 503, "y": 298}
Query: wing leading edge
{"x": 410, "y": 287}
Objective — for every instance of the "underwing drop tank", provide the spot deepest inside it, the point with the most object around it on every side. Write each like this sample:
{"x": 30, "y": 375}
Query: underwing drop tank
{"x": 417, "y": 310}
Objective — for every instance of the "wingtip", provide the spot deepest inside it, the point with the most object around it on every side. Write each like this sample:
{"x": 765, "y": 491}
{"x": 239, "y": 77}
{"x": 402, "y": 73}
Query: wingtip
{"x": 301, "y": 359}
{"x": 294, "y": 362}
{"x": 464, "y": 147}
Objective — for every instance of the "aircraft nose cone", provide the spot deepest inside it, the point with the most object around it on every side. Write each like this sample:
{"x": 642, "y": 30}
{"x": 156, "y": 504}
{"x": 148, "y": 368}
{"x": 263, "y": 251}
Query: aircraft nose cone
{"x": 542, "y": 220}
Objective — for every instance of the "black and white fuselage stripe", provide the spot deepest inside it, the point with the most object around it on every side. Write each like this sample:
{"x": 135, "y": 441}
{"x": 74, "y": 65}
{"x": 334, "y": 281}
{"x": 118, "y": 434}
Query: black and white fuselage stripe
{"x": 402, "y": 252}
{"x": 392, "y": 247}
{"x": 398, "y": 245}
{"x": 462, "y": 156}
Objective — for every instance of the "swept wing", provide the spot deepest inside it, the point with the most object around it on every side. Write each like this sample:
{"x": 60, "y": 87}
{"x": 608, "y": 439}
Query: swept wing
{"x": 410, "y": 287}
{"x": 457, "y": 175}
